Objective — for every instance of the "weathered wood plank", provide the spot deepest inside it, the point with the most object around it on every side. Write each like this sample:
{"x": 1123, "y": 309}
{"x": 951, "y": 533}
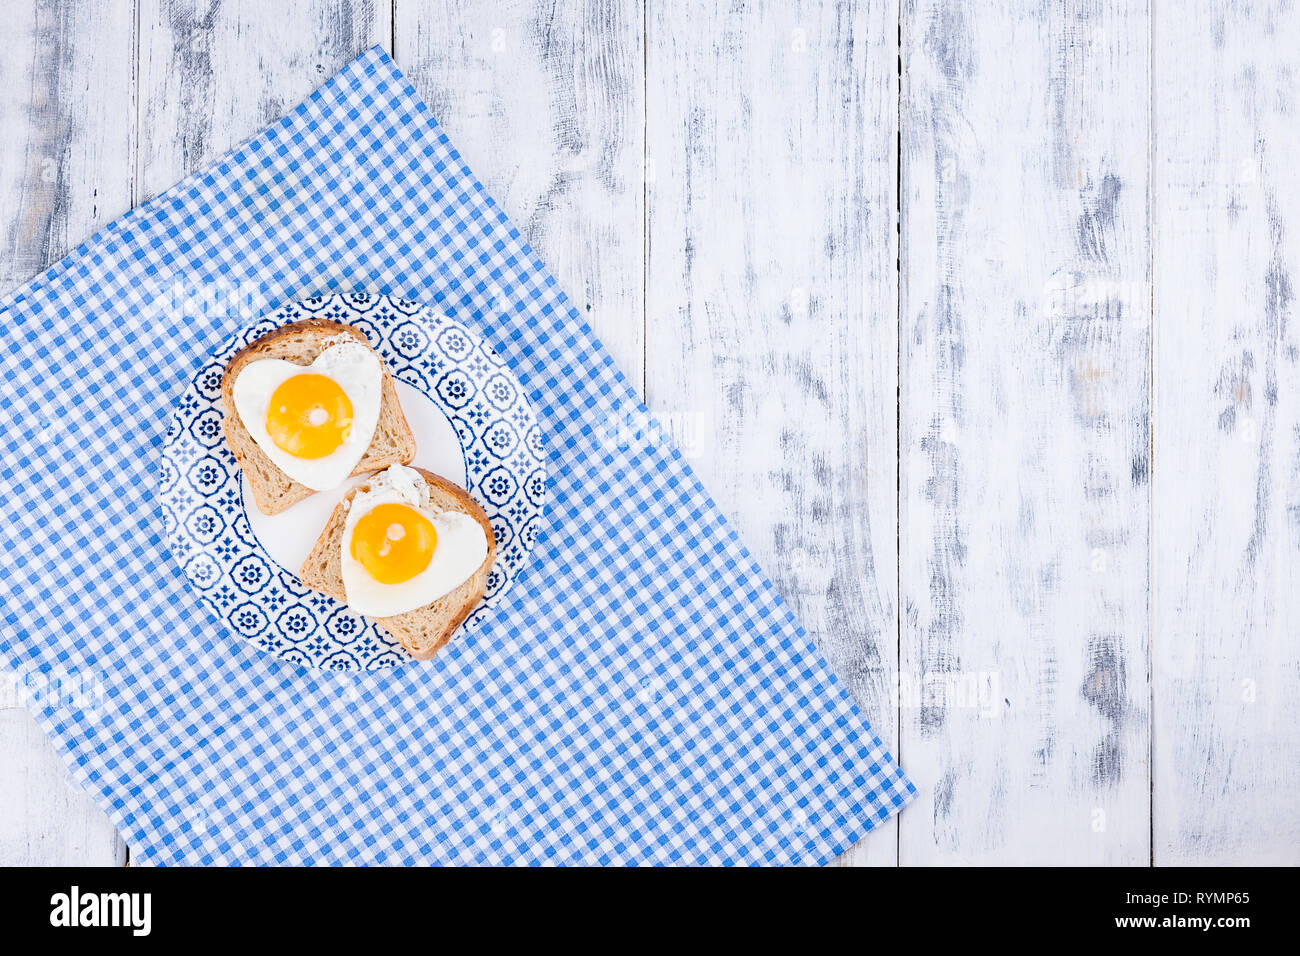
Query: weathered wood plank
{"x": 771, "y": 336}
{"x": 1226, "y": 502}
{"x": 214, "y": 73}
{"x": 66, "y": 94}
{"x": 545, "y": 101}
{"x": 1023, "y": 433}
{"x": 47, "y": 820}
{"x": 66, "y": 159}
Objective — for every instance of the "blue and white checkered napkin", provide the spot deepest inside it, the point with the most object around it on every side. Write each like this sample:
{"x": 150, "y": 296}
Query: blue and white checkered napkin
{"x": 643, "y": 696}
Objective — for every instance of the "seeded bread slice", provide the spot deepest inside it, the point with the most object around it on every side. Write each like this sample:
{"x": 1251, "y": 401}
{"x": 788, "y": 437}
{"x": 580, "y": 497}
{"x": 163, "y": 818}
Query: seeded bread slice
{"x": 300, "y": 343}
{"x": 426, "y": 629}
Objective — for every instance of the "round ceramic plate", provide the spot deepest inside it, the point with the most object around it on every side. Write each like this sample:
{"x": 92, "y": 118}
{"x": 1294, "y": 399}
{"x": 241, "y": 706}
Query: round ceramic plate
{"x": 472, "y": 424}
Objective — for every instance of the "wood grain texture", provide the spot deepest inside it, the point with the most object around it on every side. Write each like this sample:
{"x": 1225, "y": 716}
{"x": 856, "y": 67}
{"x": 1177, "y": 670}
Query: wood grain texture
{"x": 214, "y": 72}
{"x": 66, "y": 158}
{"x": 545, "y": 102}
{"x": 1023, "y": 433}
{"x": 45, "y": 818}
{"x": 1226, "y": 592}
{"x": 771, "y": 337}
{"x": 67, "y": 98}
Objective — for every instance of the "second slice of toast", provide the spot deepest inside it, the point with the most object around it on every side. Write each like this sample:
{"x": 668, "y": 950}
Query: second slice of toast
{"x": 426, "y": 629}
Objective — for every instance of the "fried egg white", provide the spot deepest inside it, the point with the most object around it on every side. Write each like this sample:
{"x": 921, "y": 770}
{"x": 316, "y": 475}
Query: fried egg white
{"x": 399, "y": 552}
{"x": 313, "y": 421}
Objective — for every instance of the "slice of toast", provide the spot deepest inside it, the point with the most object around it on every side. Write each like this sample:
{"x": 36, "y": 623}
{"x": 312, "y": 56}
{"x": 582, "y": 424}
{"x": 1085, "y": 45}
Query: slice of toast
{"x": 300, "y": 343}
{"x": 426, "y": 629}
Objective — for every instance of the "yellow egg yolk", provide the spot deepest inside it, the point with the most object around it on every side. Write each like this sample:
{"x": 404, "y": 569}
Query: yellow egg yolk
{"x": 310, "y": 416}
{"x": 393, "y": 542}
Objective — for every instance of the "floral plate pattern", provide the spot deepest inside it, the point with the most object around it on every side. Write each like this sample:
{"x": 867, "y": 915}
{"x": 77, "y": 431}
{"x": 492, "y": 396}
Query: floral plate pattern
{"x": 202, "y": 500}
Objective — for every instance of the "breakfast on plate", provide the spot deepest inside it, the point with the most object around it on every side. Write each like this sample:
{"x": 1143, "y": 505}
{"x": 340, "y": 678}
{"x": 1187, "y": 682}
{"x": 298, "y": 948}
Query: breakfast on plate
{"x": 410, "y": 550}
{"x": 306, "y": 408}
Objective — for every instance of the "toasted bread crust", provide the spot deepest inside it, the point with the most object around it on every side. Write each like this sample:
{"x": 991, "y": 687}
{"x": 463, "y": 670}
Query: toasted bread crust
{"x": 259, "y": 347}
{"x": 273, "y": 490}
{"x": 321, "y": 572}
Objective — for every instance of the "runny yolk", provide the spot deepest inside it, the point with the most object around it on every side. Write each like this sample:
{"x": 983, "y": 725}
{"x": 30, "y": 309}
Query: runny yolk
{"x": 310, "y": 416}
{"x": 393, "y": 542}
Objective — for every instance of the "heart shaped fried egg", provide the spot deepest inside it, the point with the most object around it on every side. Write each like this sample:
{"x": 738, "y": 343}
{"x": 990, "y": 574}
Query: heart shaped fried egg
{"x": 314, "y": 421}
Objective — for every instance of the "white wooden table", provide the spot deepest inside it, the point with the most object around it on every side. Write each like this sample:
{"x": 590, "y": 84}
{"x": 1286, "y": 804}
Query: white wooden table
{"x": 978, "y": 320}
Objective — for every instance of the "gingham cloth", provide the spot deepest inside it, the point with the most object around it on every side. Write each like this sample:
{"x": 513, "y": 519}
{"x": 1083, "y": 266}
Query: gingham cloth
{"x": 643, "y": 696}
